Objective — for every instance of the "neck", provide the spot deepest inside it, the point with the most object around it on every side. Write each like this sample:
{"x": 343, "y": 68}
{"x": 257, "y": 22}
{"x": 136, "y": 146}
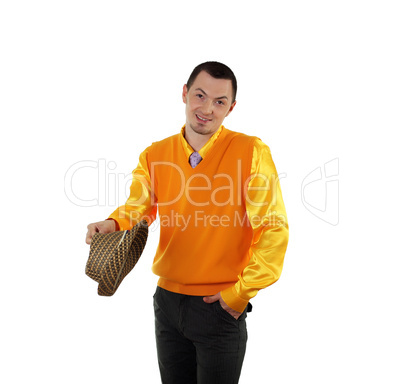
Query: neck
{"x": 196, "y": 140}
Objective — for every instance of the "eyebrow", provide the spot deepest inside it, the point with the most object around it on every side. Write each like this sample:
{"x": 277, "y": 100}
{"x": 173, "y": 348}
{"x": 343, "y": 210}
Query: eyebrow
{"x": 221, "y": 97}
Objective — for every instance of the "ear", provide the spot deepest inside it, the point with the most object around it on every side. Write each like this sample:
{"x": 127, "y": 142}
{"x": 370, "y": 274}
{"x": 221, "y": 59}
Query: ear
{"x": 231, "y": 108}
{"x": 184, "y": 95}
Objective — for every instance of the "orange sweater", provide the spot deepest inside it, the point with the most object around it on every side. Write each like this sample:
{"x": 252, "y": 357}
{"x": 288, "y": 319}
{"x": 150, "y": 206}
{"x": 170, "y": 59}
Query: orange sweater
{"x": 218, "y": 235}
{"x": 205, "y": 234}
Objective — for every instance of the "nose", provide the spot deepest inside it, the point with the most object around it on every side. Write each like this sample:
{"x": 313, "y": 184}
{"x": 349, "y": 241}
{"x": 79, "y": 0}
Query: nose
{"x": 207, "y": 107}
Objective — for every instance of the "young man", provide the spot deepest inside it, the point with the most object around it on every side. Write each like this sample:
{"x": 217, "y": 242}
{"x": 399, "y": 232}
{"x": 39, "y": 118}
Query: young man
{"x": 224, "y": 232}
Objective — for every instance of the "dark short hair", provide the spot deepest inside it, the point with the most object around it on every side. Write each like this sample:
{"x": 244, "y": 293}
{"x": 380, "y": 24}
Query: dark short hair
{"x": 216, "y": 70}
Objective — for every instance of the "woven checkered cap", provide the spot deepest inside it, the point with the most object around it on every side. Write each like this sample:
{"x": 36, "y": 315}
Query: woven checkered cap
{"x": 112, "y": 256}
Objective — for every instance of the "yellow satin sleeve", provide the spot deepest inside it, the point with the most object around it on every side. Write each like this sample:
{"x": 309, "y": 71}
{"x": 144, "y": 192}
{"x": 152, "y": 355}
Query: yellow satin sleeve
{"x": 139, "y": 205}
{"x": 267, "y": 215}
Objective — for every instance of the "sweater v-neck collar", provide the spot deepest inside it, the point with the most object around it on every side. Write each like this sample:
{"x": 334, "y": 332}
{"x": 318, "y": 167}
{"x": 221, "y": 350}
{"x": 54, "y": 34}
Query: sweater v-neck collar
{"x": 205, "y": 152}
{"x": 188, "y": 150}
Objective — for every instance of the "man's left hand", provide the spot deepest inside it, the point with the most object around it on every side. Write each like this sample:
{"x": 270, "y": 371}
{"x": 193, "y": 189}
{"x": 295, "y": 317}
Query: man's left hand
{"x": 212, "y": 299}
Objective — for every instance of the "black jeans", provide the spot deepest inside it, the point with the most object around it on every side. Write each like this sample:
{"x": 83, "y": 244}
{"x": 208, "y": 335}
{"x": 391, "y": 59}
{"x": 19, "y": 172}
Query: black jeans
{"x": 197, "y": 343}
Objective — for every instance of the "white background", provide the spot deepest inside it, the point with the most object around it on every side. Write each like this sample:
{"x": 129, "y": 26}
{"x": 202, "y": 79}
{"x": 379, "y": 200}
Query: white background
{"x": 99, "y": 81}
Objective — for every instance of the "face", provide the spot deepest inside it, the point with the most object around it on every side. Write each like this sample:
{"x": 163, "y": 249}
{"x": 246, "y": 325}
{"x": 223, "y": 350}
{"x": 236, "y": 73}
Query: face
{"x": 208, "y": 102}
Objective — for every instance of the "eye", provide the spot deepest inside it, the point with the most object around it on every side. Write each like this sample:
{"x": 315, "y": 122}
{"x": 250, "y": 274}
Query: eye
{"x": 199, "y": 95}
{"x": 220, "y": 102}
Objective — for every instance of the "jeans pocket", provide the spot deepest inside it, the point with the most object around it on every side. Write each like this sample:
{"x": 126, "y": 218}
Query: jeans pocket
{"x": 223, "y": 313}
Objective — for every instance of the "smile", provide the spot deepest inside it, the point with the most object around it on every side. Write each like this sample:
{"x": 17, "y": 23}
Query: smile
{"x": 201, "y": 118}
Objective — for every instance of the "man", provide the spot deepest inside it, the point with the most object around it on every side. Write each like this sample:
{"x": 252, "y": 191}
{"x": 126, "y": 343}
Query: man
{"x": 224, "y": 232}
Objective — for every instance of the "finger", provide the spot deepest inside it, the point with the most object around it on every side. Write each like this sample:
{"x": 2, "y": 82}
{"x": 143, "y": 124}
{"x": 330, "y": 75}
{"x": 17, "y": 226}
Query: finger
{"x": 88, "y": 238}
{"x": 211, "y": 299}
{"x": 91, "y": 230}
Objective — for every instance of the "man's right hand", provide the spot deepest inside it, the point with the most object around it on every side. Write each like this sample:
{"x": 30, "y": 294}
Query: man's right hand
{"x": 106, "y": 226}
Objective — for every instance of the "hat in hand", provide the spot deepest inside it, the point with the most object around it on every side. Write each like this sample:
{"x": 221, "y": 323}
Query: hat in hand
{"x": 113, "y": 255}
